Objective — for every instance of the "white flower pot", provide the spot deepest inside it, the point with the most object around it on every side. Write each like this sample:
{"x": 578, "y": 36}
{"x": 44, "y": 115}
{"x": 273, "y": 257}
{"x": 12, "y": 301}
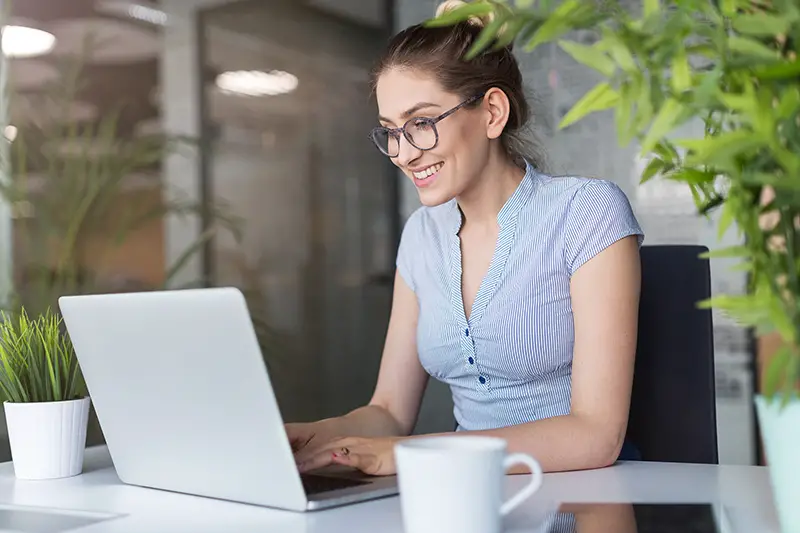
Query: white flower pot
{"x": 780, "y": 431}
{"x": 47, "y": 439}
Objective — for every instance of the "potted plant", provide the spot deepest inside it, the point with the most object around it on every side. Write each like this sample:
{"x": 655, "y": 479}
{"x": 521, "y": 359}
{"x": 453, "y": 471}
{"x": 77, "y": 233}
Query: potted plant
{"x": 732, "y": 67}
{"x": 45, "y": 399}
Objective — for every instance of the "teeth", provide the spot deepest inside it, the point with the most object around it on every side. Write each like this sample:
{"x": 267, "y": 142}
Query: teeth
{"x": 428, "y": 171}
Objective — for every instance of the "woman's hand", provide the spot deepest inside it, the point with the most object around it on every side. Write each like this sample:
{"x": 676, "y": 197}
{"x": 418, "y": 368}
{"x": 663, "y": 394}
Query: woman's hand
{"x": 373, "y": 456}
{"x": 307, "y": 437}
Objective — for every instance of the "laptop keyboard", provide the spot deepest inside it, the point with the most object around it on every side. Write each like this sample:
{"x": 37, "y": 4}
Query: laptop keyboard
{"x": 314, "y": 484}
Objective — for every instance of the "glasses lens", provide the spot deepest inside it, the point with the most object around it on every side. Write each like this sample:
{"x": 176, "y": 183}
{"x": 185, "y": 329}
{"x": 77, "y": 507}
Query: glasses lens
{"x": 387, "y": 142}
{"x": 422, "y": 133}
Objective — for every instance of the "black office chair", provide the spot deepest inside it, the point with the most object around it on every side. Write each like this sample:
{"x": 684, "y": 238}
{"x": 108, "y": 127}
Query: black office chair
{"x": 673, "y": 405}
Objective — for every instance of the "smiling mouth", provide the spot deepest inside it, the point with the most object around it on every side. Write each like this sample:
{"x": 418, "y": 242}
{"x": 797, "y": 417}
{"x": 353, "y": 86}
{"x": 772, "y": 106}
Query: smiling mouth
{"x": 430, "y": 171}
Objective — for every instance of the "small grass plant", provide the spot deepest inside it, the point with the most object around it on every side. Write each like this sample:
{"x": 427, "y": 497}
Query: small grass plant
{"x": 37, "y": 360}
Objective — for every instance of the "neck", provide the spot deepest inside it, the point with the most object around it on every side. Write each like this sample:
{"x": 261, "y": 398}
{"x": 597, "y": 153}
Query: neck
{"x": 482, "y": 201}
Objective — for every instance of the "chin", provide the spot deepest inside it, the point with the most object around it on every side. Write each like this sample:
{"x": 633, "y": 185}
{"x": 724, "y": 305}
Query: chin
{"x": 433, "y": 191}
{"x": 430, "y": 198}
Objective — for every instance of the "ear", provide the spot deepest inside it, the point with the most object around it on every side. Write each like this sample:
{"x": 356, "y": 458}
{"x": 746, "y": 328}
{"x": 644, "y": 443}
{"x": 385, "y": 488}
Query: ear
{"x": 498, "y": 106}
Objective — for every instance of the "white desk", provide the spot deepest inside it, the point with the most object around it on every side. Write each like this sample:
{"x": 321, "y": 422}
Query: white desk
{"x": 96, "y": 502}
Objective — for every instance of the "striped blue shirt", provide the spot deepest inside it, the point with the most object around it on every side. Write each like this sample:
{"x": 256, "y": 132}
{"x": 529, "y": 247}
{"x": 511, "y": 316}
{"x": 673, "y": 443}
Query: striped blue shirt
{"x": 511, "y": 362}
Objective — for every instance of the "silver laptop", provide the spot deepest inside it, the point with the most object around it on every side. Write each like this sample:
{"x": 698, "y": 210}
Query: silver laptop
{"x": 185, "y": 402}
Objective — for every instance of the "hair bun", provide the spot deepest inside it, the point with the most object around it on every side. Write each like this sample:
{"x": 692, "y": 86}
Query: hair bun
{"x": 451, "y": 5}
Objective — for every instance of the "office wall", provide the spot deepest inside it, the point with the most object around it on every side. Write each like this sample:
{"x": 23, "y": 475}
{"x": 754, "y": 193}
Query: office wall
{"x": 665, "y": 210}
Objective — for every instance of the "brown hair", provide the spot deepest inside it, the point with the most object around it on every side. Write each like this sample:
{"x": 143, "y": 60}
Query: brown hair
{"x": 440, "y": 51}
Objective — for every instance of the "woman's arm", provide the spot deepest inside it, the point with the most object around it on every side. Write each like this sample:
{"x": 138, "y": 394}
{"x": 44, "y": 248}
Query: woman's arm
{"x": 395, "y": 404}
{"x": 605, "y": 304}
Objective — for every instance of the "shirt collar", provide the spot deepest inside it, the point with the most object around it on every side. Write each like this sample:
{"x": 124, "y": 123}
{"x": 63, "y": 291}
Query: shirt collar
{"x": 509, "y": 210}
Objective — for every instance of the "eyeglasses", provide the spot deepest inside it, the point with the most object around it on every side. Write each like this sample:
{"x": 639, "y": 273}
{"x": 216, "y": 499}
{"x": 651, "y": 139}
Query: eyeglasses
{"x": 419, "y": 131}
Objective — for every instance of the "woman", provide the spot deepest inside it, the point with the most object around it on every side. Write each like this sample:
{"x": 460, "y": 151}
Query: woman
{"x": 518, "y": 289}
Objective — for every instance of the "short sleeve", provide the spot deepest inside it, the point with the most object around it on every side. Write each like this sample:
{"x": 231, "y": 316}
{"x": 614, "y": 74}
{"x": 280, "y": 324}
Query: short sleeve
{"x": 599, "y": 215}
{"x": 409, "y": 245}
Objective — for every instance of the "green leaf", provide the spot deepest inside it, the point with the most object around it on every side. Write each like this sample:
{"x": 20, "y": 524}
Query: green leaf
{"x": 471, "y": 9}
{"x": 599, "y": 98}
{"x": 510, "y": 31}
{"x": 727, "y": 252}
{"x": 692, "y": 176}
{"x": 720, "y": 150}
{"x": 644, "y": 104}
{"x": 773, "y": 180}
{"x": 707, "y": 89}
{"x": 789, "y": 102}
{"x": 487, "y": 35}
{"x": 726, "y": 219}
{"x": 681, "y": 73}
{"x": 555, "y": 25}
{"x": 652, "y": 169}
{"x": 663, "y": 123}
{"x": 728, "y": 7}
{"x": 619, "y": 51}
{"x": 590, "y": 56}
{"x": 780, "y": 71}
{"x": 622, "y": 115}
{"x": 650, "y": 7}
{"x": 666, "y": 151}
{"x": 760, "y": 24}
{"x": 728, "y": 302}
{"x": 752, "y": 48}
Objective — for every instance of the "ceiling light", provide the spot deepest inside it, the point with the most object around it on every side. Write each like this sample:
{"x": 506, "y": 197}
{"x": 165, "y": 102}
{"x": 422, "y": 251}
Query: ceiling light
{"x": 257, "y": 83}
{"x": 22, "y": 41}
{"x": 147, "y": 14}
{"x": 10, "y": 133}
{"x": 134, "y": 10}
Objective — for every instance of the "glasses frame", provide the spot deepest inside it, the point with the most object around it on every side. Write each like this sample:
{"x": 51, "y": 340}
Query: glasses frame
{"x": 431, "y": 121}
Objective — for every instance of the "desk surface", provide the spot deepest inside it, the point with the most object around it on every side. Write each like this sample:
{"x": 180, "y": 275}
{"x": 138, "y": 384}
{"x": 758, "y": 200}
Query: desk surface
{"x": 96, "y": 501}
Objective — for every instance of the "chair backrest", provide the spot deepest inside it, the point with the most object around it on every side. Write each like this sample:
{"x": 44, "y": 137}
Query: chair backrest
{"x": 673, "y": 405}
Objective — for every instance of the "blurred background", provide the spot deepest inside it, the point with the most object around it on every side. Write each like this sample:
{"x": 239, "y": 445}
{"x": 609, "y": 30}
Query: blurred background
{"x": 181, "y": 143}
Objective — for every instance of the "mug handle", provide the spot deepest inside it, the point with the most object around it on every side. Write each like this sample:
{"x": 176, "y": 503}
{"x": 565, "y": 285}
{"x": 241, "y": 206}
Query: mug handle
{"x": 527, "y": 491}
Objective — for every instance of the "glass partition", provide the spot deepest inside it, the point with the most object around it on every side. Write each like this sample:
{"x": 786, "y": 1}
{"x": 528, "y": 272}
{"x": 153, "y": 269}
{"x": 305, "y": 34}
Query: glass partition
{"x": 287, "y": 103}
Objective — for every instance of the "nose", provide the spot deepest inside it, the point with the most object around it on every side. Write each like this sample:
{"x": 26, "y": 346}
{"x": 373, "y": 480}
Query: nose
{"x": 407, "y": 152}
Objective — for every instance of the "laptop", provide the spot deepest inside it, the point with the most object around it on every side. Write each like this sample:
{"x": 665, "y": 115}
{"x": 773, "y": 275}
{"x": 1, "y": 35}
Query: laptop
{"x": 185, "y": 401}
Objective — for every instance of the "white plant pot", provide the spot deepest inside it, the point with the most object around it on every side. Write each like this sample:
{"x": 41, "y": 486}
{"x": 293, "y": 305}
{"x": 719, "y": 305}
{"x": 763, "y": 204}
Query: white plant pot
{"x": 780, "y": 431}
{"x": 47, "y": 439}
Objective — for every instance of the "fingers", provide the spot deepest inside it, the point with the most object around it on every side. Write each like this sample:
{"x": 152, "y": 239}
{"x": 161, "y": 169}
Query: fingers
{"x": 355, "y": 453}
{"x": 327, "y": 454}
{"x": 316, "y": 461}
{"x": 310, "y": 449}
{"x": 299, "y": 442}
{"x": 366, "y": 462}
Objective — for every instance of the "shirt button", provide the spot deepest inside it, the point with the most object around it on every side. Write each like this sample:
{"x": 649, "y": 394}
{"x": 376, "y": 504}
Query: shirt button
{"x": 466, "y": 332}
{"x": 471, "y": 361}
{"x": 482, "y": 380}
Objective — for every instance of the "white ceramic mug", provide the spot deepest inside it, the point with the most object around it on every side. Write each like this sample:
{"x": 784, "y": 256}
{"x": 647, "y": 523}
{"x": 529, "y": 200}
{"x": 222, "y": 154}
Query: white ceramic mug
{"x": 456, "y": 483}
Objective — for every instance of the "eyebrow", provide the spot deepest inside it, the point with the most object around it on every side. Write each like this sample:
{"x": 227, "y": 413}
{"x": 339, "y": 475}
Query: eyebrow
{"x": 407, "y": 113}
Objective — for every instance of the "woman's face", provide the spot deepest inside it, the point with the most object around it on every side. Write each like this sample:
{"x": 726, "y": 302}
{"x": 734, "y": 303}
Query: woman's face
{"x": 462, "y": 150}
